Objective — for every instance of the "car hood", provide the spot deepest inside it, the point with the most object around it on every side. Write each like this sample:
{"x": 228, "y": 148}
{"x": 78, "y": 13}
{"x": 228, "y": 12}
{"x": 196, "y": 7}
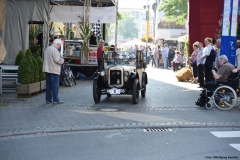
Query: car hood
{"x": 124, "y": 67}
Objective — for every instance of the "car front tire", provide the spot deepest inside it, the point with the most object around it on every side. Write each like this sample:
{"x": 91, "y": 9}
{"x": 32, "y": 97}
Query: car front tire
{"x": 135, "y": 92}
{"x": 96, "y": 92}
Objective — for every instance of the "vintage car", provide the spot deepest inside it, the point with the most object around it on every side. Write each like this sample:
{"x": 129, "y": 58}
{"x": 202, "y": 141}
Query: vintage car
{"x": 123, "y": 73}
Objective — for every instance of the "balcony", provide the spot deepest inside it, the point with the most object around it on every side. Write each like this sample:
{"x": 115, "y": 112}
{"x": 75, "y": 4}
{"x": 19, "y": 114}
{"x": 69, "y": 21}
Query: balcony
{"x": 170, "y": 25}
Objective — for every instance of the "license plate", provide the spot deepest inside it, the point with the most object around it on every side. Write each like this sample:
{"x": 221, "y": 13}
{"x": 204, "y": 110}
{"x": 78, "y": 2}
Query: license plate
{"x": 114, "y": 91}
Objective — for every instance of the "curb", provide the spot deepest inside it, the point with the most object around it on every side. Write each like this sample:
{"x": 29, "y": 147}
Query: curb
{"x": 37, "y": 131}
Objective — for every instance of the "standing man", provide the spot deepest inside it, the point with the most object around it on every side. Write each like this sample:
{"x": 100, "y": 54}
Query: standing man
{"x": 100, "y": 51}
{"x": 160, "y": 54}
{"x": 171, "y": 55}
{"x": 165, "y": 52}
{"x": 40, "y": 41}
{"x": 148, "y": 54}
{"x": 52, "y": 66}
{"x": 93, "y": 39}
{"x": 218, "y": 45}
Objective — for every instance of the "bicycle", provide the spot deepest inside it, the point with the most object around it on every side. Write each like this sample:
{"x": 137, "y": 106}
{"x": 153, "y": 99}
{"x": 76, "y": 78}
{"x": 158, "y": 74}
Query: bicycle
{"x": 67, "y": 76}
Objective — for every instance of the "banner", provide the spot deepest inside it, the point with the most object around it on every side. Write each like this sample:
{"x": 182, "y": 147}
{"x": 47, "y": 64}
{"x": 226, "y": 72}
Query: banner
{"x": 66, "y": 14}
{"x": 103, "y": 15}
{"x": 92, "y": 59}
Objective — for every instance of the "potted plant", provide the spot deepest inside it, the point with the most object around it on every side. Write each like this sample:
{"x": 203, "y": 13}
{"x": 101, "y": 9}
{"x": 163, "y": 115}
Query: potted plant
{"x": 42, "y": 75}
{"x": 28, "y": 75}
{"x": 150, "y": 39}
{"x": 85, "y": 35}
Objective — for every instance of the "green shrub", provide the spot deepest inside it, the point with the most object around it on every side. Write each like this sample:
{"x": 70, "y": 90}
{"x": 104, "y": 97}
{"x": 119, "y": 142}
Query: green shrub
{"x": 24, "y": 72}
{"x": 28, "y": 53}
{"x": 37, "y": 54}
{"x": 36, "y": 70}
{"x": 19, "y": 58}
{"x": 32, "y": 67}
{"x": 42, "y": 75}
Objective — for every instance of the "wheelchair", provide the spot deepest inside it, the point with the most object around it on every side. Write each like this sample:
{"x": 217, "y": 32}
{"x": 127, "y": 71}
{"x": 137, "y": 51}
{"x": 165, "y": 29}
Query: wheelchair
{"x": 223, "y": 93}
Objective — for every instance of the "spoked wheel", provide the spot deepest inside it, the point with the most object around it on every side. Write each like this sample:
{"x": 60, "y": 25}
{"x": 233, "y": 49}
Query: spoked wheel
{"x": 135, "y": 92}
{"x": 73, "y": 78}
{"x": 224, "y": 97}
{"x": 143, "y": 92}
{"x": 65, "y": 78}
{"x": 96, "y": 92}
{"x": 69, "y": 77}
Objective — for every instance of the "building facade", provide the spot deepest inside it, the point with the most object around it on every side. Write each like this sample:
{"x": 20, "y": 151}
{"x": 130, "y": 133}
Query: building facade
{"x": 166, "y": 32}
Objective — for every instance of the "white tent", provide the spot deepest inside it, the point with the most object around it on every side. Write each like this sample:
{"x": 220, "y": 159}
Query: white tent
{"x": 135, "y": 42}
{"x": 18, "y": 14}
{"x": 17, "y": 17}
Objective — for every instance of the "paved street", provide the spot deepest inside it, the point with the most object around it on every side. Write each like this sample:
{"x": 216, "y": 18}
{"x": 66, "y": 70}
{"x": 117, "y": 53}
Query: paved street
{"x": 132, "y": 144}
{"x": 168, "y": 103}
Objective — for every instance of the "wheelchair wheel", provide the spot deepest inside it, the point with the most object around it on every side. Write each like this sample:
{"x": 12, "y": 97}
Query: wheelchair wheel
{"x": 224, "y": 97}
{"x": 208, "y": 106}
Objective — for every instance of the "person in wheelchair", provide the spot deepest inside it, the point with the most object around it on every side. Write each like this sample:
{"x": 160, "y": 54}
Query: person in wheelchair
{"x": 222, "y": 77}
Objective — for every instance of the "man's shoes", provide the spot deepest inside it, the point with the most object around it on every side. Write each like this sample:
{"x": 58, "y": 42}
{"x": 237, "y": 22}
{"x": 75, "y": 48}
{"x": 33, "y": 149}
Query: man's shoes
{"x": 60, "y": 102}
{"x": 48, "y": 102}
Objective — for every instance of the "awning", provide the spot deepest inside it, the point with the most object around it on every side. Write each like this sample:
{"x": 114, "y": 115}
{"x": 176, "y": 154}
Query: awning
{"x": 71, "y": 14}
{"x": 171, "y": 39}
{"x": 94, "y": 3}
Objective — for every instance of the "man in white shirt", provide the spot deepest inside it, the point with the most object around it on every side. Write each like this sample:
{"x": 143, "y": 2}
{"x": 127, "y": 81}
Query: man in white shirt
{"x": 165, "y": 52}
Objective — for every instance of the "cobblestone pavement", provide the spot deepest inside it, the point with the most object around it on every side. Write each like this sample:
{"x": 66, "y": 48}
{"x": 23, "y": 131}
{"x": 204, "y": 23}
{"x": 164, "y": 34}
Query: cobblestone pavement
{"x": 167, "y": 103}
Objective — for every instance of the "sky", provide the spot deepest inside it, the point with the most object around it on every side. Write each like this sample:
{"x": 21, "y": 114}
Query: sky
{"x": 134, "y": 4}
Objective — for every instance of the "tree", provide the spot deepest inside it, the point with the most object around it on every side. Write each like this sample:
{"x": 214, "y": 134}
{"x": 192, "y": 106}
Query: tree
{"x": 127, "y": 28}
{"x": 175, "y": 10}
{"x": 111, "y": 27}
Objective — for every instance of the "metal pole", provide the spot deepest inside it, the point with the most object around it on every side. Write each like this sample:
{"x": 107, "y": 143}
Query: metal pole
{"x": 116, "y": 28}
{"x": 147, "y": 24}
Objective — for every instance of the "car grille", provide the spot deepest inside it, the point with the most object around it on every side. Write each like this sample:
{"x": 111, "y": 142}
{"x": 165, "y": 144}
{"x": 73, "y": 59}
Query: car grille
{"x": 115, "y": 77}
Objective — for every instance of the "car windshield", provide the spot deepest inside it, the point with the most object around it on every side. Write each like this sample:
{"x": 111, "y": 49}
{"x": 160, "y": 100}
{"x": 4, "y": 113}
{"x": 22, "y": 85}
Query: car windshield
{"x": 120, "y": 57}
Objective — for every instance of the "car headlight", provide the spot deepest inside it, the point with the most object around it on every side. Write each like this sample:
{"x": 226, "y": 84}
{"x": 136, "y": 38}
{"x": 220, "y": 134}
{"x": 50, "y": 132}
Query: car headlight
{"x": 102, "y": 73}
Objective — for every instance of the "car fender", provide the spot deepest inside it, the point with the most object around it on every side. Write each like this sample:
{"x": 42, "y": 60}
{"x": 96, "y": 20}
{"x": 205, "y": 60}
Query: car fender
{"x": 96, "y": 75}
{"x": 144, "y": 78}
{"x": 134, "y": 75}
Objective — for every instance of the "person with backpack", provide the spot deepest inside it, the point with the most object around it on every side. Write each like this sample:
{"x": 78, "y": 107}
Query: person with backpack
{"x": 208, "y": 58}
